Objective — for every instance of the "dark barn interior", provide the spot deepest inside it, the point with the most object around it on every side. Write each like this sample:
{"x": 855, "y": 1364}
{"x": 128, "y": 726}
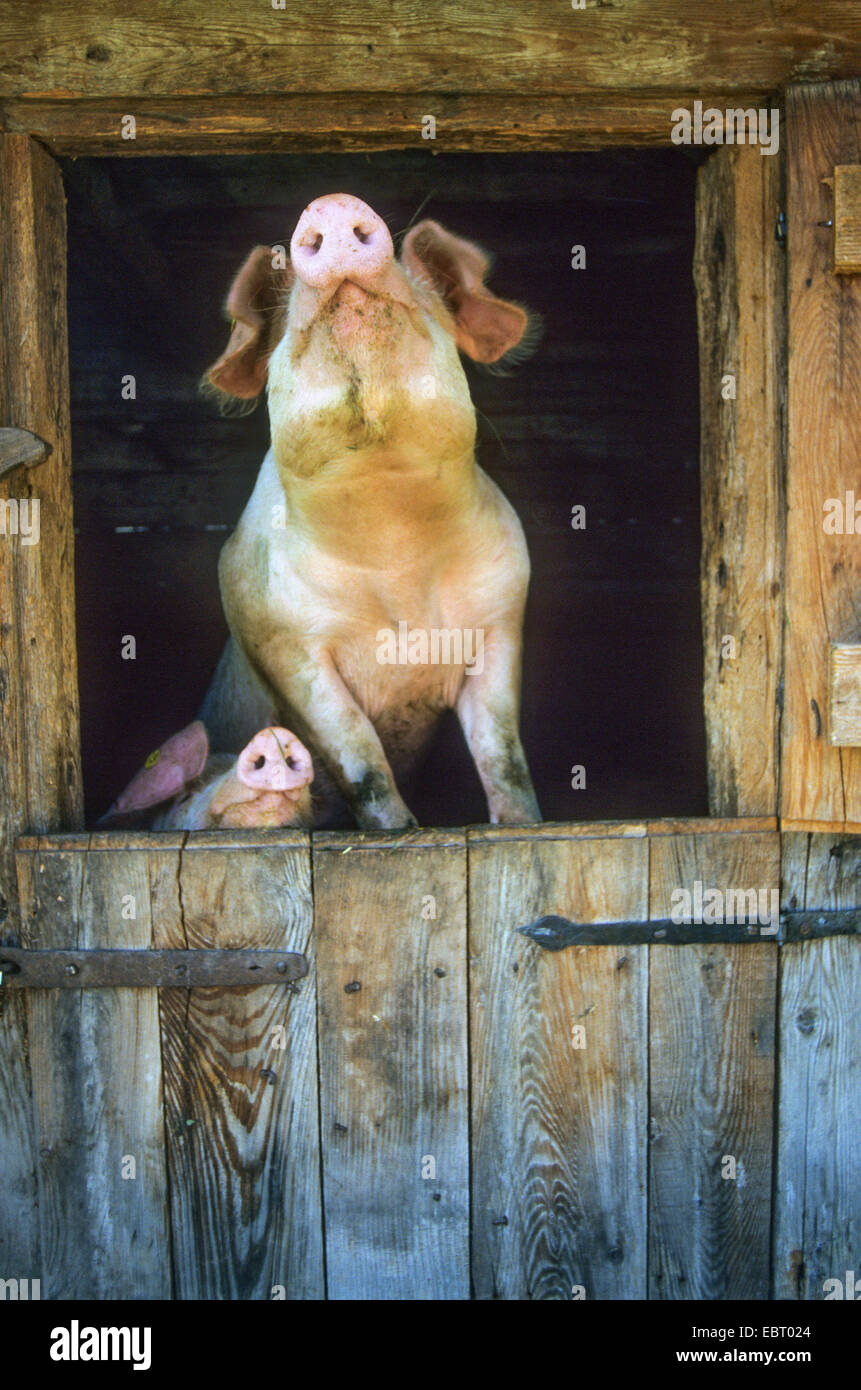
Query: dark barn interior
{"x": 604, "y": 415}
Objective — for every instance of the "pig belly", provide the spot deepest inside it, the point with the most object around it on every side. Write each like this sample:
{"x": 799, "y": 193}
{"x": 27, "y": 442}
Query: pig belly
{"x": 403, "y": 701}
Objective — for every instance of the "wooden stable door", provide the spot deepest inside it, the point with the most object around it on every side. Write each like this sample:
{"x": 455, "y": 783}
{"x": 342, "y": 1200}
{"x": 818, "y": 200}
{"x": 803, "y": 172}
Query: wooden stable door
{"x": 442, "y": 1106}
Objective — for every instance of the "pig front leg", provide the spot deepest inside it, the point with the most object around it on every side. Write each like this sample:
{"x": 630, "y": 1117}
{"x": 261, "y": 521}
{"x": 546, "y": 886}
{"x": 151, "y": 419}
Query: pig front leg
{"x": 342, "y": 734}
{"x": 488, "y": 707}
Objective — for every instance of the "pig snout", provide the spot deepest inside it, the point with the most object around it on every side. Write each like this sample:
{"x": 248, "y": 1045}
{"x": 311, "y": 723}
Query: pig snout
{"x": 276, "y": 761}
{"x": 340, "y": 238}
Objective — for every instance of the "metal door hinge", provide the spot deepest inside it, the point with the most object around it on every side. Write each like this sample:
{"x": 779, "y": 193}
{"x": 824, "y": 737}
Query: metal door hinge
{"x": 555, "y": 933}
{"x": 24, "y": 969}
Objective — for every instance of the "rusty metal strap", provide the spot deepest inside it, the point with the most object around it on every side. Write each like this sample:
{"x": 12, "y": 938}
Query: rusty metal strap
{"x": 22, "y": 969}
{"x": 555, "y": 933}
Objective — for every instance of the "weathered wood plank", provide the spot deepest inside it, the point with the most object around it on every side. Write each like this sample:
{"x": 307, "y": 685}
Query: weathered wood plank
{"x": 356, "y": 121}
{"x": 846, "y": 188}
{"x": 711, "y": 1064}
{"x": 844, "y": 715}
{"x": 558, "y": 1117}
{"x": 359, "y": 45}
{"x": 820, "y": 782}
{"x": 739, "y": 271}
{"x": 616, "y": 829}
{"x": 40, "y": 780}
{"x": 21, "y": 448}
{"x": 393, "y": 1069}
{"x": 97, "y": 1079}
{"x": 817, "y": 1218}
{"x": 241, "y": 1079}
{"x": 40, "y": 775}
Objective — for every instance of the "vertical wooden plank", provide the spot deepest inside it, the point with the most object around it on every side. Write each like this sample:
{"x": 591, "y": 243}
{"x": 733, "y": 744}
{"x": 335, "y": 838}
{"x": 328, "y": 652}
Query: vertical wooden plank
{"x": 40, "y": 780}
{"x": 241, "y": 1109}
{"x": 739, "y": 271}
{"x": 558, "y": 1118}
{"x": 40, "y": 772}
{"x": 391, "y": 940}
{"x": 711, "y": 1082}
{"x": 820, "y": 782}
{"x": 96, "y": 1067}
{"x": 817, "y": 1227}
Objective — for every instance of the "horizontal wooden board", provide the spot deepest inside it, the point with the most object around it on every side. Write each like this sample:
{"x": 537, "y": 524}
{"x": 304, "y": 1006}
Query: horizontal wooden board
{"x": 358, "y": 121}
{"x": 153, "y": 50}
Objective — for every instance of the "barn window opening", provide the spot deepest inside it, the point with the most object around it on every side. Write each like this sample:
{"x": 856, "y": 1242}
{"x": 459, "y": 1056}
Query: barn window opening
{"x": 594, "y": 439}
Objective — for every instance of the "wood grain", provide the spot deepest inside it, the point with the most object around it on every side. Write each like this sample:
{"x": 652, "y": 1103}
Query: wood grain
{"x": 20, "y": 448}
{"x": 356, "y": 121}
{"x": 558, "y": 1131}
{"x": 40, "y": 772}
{"x": 844, "y": 713}
{"x": 393, "y": 1068}
{"x": 847, "y": 219}
{"x": 97, "y": 1080}
{"x": 817, "y": 1217}
{"x": 155, "y": 50}
{"x": 819, "y": 782}
{"x": 711, "y": 1083}
{"x": 40, "y": 776}
{"x": 240, "y": 1110}
{"x": 739, "y": 271}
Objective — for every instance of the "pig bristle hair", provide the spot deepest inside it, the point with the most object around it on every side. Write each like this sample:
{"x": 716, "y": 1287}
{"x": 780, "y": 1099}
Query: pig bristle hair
{"x": 230, "y": 407}
{"x": 522, "y": 351}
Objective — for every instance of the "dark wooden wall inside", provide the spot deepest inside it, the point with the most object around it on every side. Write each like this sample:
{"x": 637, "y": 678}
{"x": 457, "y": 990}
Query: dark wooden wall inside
{"x": 605, "y": 414}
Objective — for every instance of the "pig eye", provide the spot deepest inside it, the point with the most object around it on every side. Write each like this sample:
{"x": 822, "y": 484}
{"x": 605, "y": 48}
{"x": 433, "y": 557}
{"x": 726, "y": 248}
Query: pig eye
{"x": 259, "y": 762}
{"x": 364, "y": 237}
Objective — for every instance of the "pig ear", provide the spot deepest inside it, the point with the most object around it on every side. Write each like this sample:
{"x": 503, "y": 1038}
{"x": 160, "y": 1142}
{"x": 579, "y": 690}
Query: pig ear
{"x": 166, "y": 772}
{"x": 486, "y": 328}
{"x": 254, "y": 307}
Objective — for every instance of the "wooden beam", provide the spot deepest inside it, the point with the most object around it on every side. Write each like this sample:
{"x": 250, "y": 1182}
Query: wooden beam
{"x": 739, "y": 270}
{"x": 95, "y": 49}
{"x": 820, "y": 782}
{"x": 361, "y": 121}
{"x": 40, "y": 771}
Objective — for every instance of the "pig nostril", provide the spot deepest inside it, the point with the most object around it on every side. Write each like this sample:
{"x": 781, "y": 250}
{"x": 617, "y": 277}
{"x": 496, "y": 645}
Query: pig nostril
{"x": 259, "y": 762}
{"x": 317, "y": 242}
{"x": 363, "y": 237}
{"x": 291, "y": 764}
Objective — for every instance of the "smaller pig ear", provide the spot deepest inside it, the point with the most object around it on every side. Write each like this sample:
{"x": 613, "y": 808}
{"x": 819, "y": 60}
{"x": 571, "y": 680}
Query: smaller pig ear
{"x": 486, "y": 328}
{"x": 253, "y": 304}
{"x": 165, "y": 773}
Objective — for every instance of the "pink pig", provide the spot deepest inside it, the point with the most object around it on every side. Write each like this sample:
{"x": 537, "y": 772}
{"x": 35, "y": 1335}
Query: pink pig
{"x": 183, "y": 787}
{"x": 377, "y": 575}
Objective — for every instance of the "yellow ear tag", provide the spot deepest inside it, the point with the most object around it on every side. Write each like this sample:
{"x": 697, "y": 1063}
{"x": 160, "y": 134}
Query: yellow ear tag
{"x": 153, "y": 758}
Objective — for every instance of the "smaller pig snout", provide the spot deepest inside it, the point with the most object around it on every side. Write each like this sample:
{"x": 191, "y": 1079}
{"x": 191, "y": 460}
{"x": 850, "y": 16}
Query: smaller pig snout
{"x": 340, "y": 238}
{"x": 275, "y": 760}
